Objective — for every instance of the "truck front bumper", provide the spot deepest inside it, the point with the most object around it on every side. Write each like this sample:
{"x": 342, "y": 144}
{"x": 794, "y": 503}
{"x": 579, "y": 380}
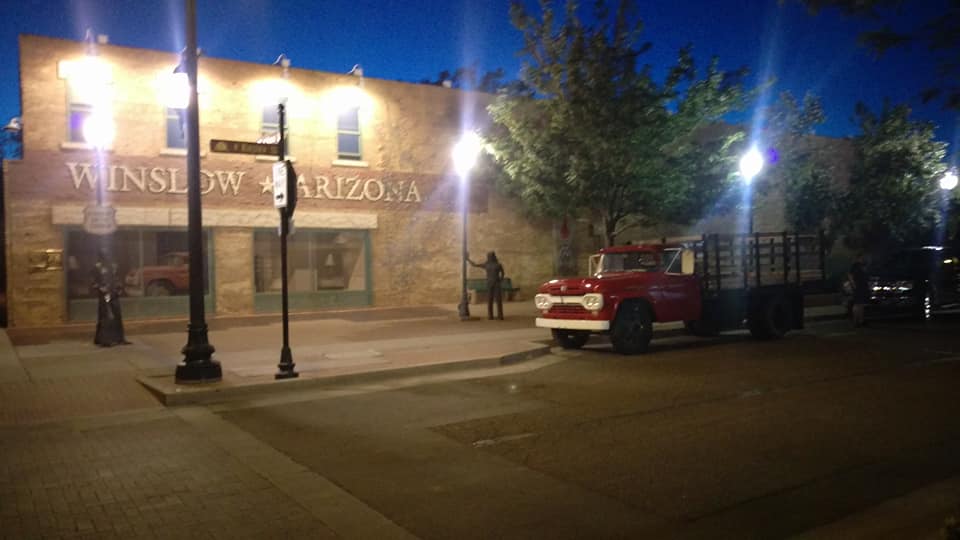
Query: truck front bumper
{"x": 573, "y": 324}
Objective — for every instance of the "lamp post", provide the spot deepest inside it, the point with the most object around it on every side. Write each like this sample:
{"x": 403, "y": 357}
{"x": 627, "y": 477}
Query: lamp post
{"x": 947, "y": 183}
{"x": 751, "y": 163}
{"x": 198, "y": 365}
{"x": 464, "y": 157}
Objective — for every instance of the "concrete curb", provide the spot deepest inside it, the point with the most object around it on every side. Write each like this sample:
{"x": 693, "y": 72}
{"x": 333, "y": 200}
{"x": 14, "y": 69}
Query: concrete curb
{"x": 234, "y": 387}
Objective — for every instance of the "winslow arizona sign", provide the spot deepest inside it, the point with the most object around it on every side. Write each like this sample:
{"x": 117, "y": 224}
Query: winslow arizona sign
{"x": 159, "y": 180}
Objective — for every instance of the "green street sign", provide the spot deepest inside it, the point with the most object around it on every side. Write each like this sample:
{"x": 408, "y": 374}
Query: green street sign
{"x": 241, "y": 147}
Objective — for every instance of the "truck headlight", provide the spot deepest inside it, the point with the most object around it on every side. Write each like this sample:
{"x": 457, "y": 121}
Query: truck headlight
{"x": 542, "y": 301}
{"x": 593, "y": 301}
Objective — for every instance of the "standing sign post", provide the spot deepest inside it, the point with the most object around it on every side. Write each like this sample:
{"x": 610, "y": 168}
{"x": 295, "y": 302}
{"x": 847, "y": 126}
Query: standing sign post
{"x": 285, "y": 201}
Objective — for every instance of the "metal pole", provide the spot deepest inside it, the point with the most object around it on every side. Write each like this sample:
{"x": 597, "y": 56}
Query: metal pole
{"x": 464, "y": 304}
{"x": 197, "y": 365}
{"x": 285, "y": 369}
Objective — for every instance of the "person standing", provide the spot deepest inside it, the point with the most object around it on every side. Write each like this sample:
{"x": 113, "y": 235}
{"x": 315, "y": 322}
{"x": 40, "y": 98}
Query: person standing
{"x": 107, "y": 287}
{"x": 861, "y": 289}
{"x": 495, "y": 275}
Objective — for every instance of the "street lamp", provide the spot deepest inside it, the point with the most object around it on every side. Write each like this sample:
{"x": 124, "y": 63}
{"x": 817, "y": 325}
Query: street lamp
{"x": 948, "y": 181}
{"x": 465, "y": 154}
{"x": 198, "y": 365}
{"x": 750, "y": 166}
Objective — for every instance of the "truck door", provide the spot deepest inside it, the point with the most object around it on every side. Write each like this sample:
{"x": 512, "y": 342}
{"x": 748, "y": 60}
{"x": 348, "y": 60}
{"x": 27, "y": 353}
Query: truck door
{"x": 679, "y": 289}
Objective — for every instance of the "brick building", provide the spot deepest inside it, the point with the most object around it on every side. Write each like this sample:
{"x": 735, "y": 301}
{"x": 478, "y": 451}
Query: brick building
{"x": 377, "y": 222}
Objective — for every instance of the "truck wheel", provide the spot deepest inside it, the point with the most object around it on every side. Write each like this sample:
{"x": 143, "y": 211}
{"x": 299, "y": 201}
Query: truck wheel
{"x": 632, "y": 329}
{"x": 770, "y": 318}
{"x": 159, "y": 288}
{"x": 570, "y": 339}
{"x": 701, "y": 328}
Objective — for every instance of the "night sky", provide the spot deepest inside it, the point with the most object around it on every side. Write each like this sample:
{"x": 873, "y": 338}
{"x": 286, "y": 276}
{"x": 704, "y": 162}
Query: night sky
{"x": 415, "y": 39}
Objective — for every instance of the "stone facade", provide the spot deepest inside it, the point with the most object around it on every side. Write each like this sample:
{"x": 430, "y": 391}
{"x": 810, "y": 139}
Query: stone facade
{"x": 402, "y": 191}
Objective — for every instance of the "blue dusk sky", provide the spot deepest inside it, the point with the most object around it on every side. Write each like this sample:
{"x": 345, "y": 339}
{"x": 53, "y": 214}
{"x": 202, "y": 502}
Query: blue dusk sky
{"x": 411, "y": 40}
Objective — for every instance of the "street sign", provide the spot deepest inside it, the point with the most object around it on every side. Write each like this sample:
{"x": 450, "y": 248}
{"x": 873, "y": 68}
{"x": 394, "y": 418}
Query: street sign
{"x": 241, "y": 147}
{"x": 280, "y": 184}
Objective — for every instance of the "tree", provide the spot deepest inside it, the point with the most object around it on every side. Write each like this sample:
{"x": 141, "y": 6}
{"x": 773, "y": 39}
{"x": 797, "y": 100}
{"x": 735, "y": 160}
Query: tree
{"x": 465, "y": 78}
{"x": 810, "y": 197}
{"x": 596, "y": 135}
{"x": 894, "y": 191}
{"x": 940, "y": 34}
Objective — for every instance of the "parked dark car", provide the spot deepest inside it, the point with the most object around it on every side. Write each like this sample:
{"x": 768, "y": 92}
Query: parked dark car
{"x": 915, "y": 281}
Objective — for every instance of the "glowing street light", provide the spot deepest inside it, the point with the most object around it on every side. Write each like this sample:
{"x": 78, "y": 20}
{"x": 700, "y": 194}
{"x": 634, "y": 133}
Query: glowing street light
{"x": 751, "y": 164}
{"x": 98, "y": 130}
{"x": 949, "y": 180}
{"x": 465, "y": 154}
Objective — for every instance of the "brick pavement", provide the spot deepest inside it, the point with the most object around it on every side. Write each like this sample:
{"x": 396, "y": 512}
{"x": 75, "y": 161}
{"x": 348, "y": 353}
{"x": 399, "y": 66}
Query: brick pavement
{"x": 143, "y": 476}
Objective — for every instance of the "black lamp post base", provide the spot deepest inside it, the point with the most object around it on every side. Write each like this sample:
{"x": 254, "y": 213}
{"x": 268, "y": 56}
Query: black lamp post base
{"x": 285, "y": 369}
{"x": 198, "y": 372}
{"x": 463, "y": 308}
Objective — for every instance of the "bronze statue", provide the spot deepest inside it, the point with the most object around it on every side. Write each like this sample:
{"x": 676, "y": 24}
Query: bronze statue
{"x": 108, "y": 288}
{"x": 495, "y": 275}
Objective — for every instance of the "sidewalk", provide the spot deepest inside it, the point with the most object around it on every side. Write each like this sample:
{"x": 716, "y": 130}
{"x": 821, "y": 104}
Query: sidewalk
{"x": 330, "y": 348}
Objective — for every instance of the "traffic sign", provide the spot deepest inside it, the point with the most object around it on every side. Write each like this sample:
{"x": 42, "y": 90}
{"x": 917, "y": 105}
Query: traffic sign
{"x": 242, "y": 147}
{"x": 280, "y": 184}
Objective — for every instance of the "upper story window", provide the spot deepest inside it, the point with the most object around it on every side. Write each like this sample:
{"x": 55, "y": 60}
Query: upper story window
{"x": 78, "y": 112}
{"x": 270, "y": 128}
{"x": 176, "y": 128}
{"x": 89, "y": 99}
{"x": 348, "y": 134}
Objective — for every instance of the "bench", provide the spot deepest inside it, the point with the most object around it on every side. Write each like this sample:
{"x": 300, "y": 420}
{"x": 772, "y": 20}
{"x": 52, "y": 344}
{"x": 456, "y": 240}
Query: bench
{"x": 477, "y": 289}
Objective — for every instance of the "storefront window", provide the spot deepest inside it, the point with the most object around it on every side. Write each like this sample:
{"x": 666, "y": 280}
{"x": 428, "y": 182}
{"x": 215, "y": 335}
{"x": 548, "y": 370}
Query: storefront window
{"x": 324, "y": 268}
{"x": 153, "y": 265}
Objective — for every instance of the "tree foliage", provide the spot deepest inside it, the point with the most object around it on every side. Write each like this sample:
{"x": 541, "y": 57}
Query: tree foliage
{"x": 469, "y": 78}
{"x": 940, "y": 35}
{"x": 810, "y": 197}
{"x": 894, "y": 190}
{"x": 597, "y": 135}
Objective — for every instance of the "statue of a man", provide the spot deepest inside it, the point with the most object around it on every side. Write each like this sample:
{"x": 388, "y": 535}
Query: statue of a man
{"x": 106, "y": 285}
{"x": 494, "y": 283}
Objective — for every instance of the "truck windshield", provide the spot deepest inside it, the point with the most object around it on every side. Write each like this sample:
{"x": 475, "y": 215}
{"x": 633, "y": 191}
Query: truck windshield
{"x": 634, "y": 261}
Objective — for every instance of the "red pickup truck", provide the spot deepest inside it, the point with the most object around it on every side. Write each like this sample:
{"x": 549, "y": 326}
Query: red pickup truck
{"x": 709, "y": 282}
{"x": 170, "y": 276}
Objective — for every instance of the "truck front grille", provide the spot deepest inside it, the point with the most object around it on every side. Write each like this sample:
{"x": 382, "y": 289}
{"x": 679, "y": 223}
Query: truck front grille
{"x": 570, "y": 290}
{"x": 568, "y": 309}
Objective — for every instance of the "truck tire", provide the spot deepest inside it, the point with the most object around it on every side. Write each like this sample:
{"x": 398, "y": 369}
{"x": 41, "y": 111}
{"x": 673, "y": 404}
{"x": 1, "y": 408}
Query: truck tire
{"x": 701, "y": 328}
{"x": 632, "y": 328}
{"x": 570, "y": 339}
{"x": 770, "y": 318}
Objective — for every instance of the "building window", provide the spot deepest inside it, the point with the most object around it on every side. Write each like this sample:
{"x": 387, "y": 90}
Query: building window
{"x": 176, "y": 128}
{"x": 325, "y": 268}
{"x": 79, "y": 111}
{"x": 270, "y": 128}
{"x": 348, "y": 134}
{"x": 152, "y": 264}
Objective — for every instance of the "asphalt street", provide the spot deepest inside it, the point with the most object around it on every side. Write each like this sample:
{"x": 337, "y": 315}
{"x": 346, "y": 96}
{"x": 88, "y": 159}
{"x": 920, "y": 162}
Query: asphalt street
{"x": 722, "y": 438}
{"x": 829, "y": 433}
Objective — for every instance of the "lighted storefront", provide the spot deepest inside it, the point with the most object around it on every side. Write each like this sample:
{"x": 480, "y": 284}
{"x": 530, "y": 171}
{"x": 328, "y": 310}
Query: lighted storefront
{"x": 377, "y": 222}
